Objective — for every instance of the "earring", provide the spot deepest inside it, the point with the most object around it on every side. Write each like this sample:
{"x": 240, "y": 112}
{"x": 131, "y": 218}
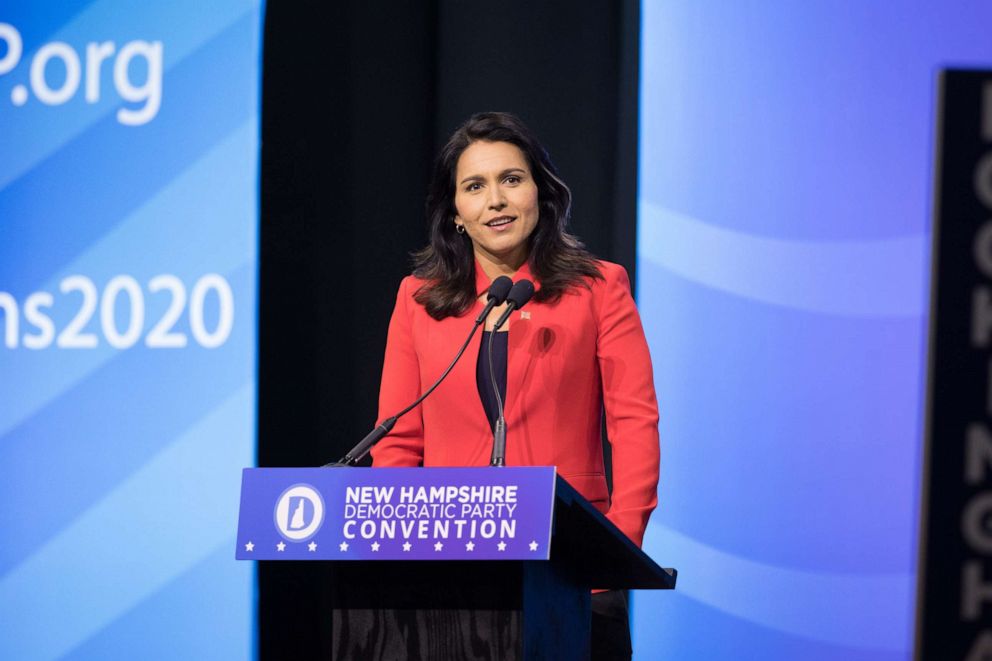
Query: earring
{"x": 459, "y": 228}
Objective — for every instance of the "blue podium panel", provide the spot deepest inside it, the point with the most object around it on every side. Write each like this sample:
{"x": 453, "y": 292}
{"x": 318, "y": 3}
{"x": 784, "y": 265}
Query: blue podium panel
{"x": 396, "y": 513}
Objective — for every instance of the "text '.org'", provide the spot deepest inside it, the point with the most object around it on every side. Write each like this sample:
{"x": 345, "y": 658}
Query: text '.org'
{"x": 57, "y": 71}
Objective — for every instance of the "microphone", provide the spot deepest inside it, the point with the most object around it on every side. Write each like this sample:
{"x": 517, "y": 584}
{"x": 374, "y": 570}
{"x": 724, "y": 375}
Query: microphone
{"x": 520, "y": 293}
{"x": 498, "y": 293}
{"x": 499, "y": 290}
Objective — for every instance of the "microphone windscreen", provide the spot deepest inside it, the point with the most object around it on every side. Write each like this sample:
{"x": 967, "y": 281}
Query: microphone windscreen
{"x": 520, "y": 293}
{"x": 499, "y": 289}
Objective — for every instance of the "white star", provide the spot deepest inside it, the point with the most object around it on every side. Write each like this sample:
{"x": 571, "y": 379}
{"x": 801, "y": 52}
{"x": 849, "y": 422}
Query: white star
{"x": 375, "y": 546}
{"x": 249, "y": 547}
{"x": 470, "y": 546}
{"x": 501, "y": 546}
{"x": 438, "y": 546}
{"x": 281, "y": 546}
{"x": 312, "y": 546}
{"x": 533, "y": 546}
{"x": 407, "y": 546}
{"x": 343, "y": 546}
{"x": 524, "y": 314}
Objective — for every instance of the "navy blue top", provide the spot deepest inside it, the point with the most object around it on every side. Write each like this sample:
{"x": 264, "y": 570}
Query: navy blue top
{"x": 482, "y": 373}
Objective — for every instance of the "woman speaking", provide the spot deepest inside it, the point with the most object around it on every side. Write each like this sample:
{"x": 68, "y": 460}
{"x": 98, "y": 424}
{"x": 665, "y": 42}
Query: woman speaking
{"x": 497, "y": 207}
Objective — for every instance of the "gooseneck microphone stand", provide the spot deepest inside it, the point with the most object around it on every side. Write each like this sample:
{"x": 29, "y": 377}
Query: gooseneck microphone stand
{"x": 499, "y": 431}
{"x": 498, "y": 292}
{"x": 516, "y": 299}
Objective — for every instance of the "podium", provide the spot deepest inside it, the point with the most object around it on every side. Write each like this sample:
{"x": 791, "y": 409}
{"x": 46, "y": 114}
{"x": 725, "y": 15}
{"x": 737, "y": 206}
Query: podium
{"x": 460, "y": 563}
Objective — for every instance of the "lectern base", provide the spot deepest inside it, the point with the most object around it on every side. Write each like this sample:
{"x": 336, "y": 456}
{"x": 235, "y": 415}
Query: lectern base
{"x": 458, "y": 610}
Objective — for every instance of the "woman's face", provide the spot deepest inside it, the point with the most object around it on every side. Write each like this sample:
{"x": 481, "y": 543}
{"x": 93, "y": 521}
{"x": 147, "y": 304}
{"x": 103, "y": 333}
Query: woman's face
{"x": 496, "y": 202}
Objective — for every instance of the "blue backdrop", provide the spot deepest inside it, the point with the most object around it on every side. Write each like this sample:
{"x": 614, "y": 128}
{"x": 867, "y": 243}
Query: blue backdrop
{"x": 128, "y": 225}
{"x": 785, "y": 169}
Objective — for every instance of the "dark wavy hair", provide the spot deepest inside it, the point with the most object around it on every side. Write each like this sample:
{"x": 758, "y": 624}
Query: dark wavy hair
{"x": 447, "y": 263}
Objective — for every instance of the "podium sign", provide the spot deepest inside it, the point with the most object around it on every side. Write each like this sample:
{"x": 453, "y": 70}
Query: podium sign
{"x": 396, "y": 513}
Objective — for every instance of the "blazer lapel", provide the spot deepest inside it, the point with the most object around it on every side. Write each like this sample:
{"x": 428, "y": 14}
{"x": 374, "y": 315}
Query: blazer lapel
{"x": 519, "y": 361}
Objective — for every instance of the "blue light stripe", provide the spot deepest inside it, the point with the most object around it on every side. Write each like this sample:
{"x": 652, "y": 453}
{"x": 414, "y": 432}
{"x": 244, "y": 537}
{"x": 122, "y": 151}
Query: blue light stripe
{"x": 31, "y": 133}
{"x": 876, "y": 278}
{"x": 195, "y": 194}
{"x": 101, "y": 175}
{"x": 867, "y": 611}
{"x": 166, "y": 517}
{"x": 166, "y": 392}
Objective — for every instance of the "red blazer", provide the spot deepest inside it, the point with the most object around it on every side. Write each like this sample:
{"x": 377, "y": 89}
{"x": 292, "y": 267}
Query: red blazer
{"x": 566, "y": 360}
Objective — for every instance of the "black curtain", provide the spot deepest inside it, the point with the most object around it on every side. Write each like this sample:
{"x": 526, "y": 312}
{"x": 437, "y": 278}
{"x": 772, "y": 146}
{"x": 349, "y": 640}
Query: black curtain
{"x": 357, "y": 98}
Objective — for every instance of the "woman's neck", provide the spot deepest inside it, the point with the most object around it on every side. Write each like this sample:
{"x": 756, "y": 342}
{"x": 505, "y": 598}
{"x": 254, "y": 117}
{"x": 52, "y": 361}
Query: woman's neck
{"x": 494, "y": 266}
